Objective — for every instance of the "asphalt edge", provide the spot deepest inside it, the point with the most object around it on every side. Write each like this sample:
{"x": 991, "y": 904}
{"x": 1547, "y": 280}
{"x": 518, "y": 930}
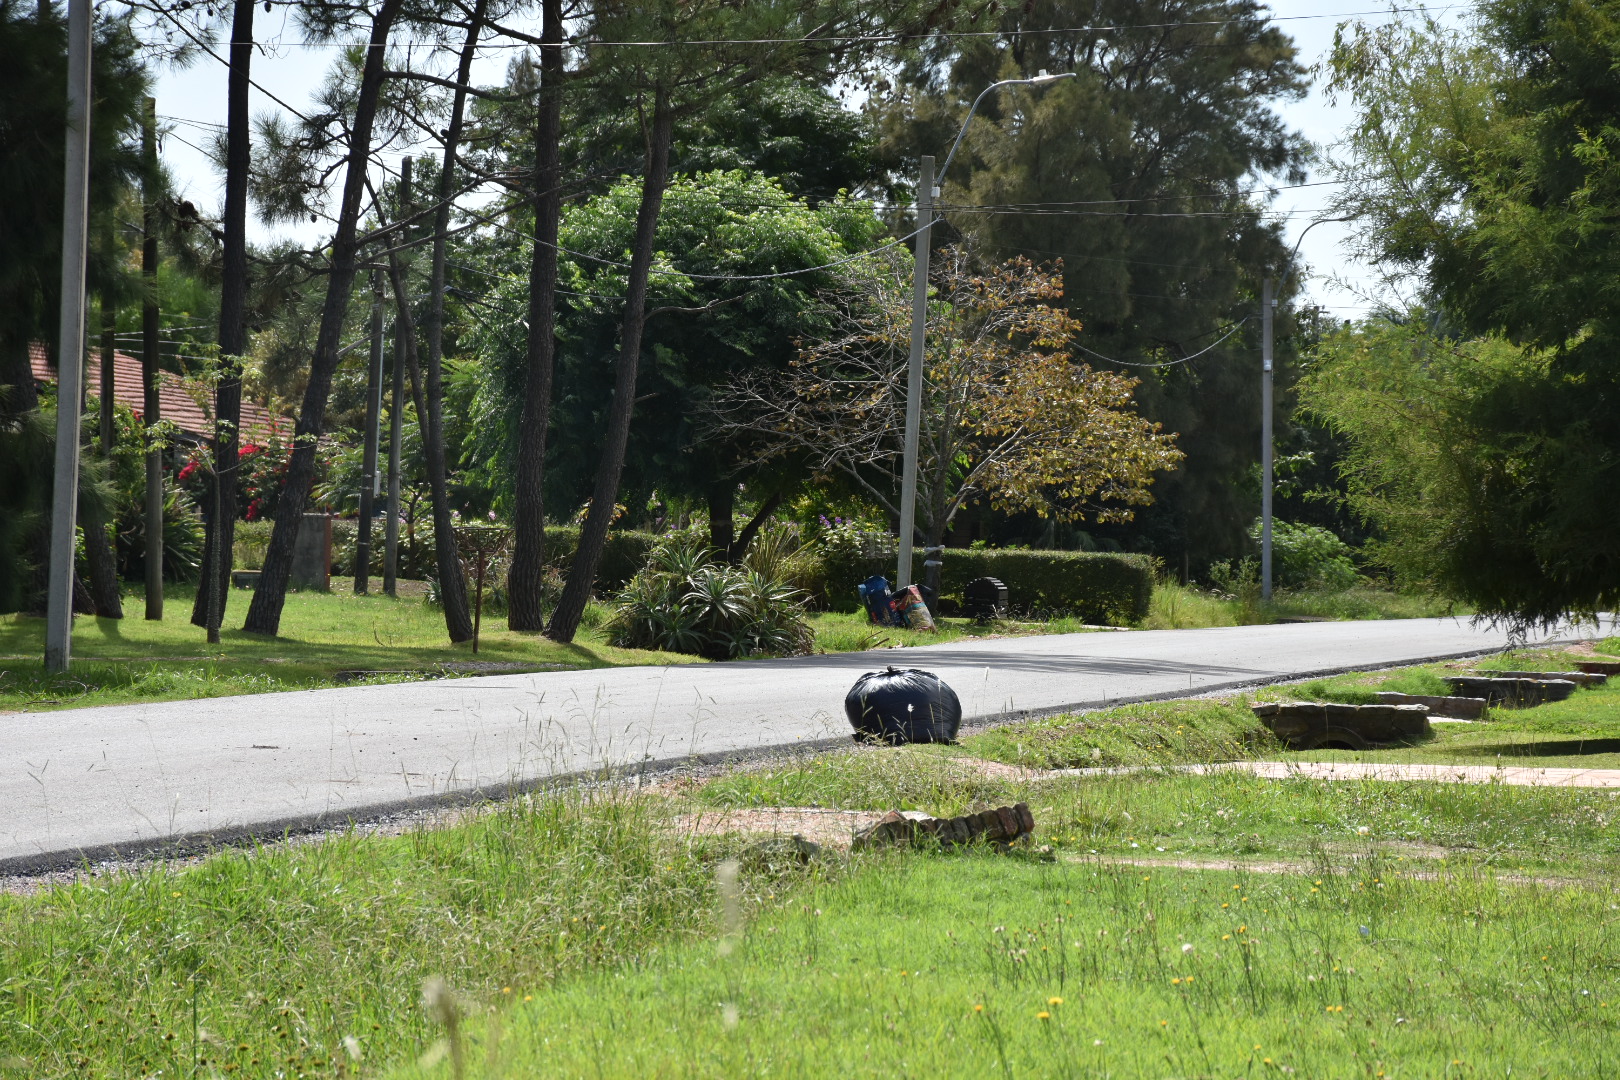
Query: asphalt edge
{"x": 192, "y": 844}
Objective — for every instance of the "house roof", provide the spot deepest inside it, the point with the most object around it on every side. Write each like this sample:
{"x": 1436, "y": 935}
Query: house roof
{"x": 187, "y": 402}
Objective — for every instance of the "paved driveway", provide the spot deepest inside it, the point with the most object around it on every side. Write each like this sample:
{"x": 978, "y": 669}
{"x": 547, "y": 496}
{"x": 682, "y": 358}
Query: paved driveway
{"x": 132, "y": 778}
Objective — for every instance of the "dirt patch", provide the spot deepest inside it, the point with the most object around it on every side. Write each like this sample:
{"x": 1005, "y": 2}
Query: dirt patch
{"x": 829, "y": 828}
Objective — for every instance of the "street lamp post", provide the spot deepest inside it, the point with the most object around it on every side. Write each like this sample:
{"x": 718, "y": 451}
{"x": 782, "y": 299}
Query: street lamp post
{"x": 1269, "y": 293}
{"x": 927, "y": 190}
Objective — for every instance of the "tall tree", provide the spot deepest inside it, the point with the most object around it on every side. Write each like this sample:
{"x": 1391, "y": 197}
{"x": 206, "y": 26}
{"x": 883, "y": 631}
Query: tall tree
{"x": 1008, "y": 413}
{"x": 713, "y": 48}
{"x": 452, "y": 583}
{"x": 1135, "y": 173}
{"x": 526, "y": 577}
{"x": 264, "y": 613}
{"x": 208, "y": 609}
{"x": 1485, "y": 166}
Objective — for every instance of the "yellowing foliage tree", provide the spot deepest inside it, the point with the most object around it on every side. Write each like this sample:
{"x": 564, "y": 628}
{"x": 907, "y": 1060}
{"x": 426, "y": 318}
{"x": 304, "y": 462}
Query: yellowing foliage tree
{"x": 1007, "y": 415}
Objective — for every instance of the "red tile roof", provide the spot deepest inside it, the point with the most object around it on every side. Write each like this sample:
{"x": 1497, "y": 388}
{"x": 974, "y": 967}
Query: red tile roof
{"x": 187, "y": 402}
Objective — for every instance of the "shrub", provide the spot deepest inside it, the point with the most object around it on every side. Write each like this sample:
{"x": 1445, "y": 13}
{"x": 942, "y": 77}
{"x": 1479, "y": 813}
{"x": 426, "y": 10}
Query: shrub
{"x": 682, "y": 601}
{"x": 1308, "y": 557}
{"x": 1097, "y": 587}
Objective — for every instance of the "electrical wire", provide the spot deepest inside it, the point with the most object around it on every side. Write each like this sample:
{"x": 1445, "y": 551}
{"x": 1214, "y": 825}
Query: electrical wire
{"x": 1168, "y": 363}
{"x": 896, "y": 37}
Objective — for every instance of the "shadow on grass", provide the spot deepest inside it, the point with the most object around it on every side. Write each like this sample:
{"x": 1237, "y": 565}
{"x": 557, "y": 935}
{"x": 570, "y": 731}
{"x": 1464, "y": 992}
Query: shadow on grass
{"x": 1558, "y": 748}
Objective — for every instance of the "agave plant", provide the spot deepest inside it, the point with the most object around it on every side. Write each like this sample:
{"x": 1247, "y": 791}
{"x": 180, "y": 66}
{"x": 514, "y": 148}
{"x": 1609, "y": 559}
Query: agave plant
{"x": 685, "y": 601}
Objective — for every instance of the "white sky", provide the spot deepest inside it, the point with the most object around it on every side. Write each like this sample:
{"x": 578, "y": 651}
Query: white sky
{"x": 192, "y": 101}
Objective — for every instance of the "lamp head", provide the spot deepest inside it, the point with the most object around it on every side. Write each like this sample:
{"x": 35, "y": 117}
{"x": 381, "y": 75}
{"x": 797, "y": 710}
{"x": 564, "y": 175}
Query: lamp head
{"x": 1042, "y": 78}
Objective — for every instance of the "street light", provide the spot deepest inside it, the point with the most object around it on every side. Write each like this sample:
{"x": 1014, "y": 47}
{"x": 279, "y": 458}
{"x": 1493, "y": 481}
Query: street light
{"x": 926, "y": 190}
{"x": 1268, "y": 308}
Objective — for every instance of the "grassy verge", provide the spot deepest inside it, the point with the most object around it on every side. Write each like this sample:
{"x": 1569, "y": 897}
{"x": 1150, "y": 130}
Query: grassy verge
{"x": 267, "y": 964}
{"x": 978, "y": 966}
{"x": 1178, "y": 607}
{"x": 130, "y": 659}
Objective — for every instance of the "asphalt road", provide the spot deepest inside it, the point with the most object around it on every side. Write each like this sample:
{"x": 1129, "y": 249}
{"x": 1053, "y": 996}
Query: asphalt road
{"x": 134, "y": 779}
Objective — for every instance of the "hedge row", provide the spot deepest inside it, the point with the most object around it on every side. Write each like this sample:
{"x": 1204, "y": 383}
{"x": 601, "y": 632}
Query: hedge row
{"x": 1106, "y": 588}
{"x": 1098, "y": 587}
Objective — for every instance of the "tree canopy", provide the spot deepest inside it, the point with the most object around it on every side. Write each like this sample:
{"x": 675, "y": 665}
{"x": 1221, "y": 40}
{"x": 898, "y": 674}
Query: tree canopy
{"x": 1484, "y": 164}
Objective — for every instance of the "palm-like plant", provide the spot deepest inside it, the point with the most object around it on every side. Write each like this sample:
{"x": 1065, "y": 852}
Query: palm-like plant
{"x": 684, "y": 601}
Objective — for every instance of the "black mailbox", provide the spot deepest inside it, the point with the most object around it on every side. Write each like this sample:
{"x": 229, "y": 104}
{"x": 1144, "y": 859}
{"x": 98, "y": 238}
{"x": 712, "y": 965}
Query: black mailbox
{"x": 985, "y": 599}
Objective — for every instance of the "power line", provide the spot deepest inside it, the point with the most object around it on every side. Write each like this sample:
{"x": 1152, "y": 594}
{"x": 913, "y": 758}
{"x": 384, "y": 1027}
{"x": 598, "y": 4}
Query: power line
{"x": 894, "y": 37}
{"x": 1168, "y": 363}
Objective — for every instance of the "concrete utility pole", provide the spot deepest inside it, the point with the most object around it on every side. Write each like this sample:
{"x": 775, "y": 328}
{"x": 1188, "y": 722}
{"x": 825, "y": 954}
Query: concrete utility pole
{"x": 149, "y": 364}
{"x": 914, "y": 369}
{"x": 70, "y": 348}
{"x": 368, "y": 469}
{"x": 1268, "y": 305}
{"x": 927, "y": 191}
{"x": 396, "y": 439}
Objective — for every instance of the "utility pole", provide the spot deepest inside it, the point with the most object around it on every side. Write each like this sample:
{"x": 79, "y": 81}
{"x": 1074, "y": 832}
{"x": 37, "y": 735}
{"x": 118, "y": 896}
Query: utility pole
{"x": 368, "y": 469}
{"x": 396, "y": 423}
{"x": 70, "y": 348}
{"x": 149, "y": 364}
{"x": 396, "y": 438}
{"x": 1267, "y": 306}
{"x": 914, "y": 370}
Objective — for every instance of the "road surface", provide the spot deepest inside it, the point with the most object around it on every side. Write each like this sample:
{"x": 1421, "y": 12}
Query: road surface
{"x": 173, "y": 776}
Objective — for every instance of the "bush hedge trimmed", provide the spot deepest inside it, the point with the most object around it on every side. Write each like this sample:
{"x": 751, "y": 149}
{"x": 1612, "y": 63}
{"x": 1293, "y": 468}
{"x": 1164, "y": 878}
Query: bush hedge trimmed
{"x": 1098, "y": 587}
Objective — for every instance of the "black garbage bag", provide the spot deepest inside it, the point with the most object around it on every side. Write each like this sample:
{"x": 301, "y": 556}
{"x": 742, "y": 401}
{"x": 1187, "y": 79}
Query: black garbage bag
{"x": 908, "y": 706}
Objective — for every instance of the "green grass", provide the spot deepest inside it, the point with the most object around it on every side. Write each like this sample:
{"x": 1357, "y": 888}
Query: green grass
{"x": 1180, "y": 607}
{"x": 998, "y": 967}
{"x": 130, "y": 659}
{"x": 1153, "y": 733}
{"x": 263, "y": 963}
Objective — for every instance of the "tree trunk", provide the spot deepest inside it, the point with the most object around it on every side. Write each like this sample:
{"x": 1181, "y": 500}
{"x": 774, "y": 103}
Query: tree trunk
{"x": 100, "y": 562}
{"x": 149, "y": 363}
{"x": 739, "y": 546}
{"x": 264, "y": 613}
{"x": 452, "y": 585}
{"x": 722, "y": 500}
{"x": 593, "y": 534}
{"x": 215, "y": 585}
{"x": 526, "y": 578}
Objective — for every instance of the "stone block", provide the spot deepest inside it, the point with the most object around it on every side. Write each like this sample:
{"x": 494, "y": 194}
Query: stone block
{"x": 1511, "y": 693}
{"x": 312, "y": 554}
{"x": 1459, "y": 708}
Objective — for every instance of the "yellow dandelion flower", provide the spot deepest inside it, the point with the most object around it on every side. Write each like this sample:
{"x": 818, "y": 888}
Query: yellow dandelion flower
{"x": 978, "y": 1008}
{"x": 1265, "y": 1061}
{"x": 506, "y": 989}
{"x": 1226, "y": 905}
{"x": 1226, "y": 937}
{"x": 1054, "y": 1001}
{"x": 1164, "y": 1023}
{"x": 1175, "y": 982}
{"x": 528, "y": 997}
{"x": 1043, "y": 1015}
